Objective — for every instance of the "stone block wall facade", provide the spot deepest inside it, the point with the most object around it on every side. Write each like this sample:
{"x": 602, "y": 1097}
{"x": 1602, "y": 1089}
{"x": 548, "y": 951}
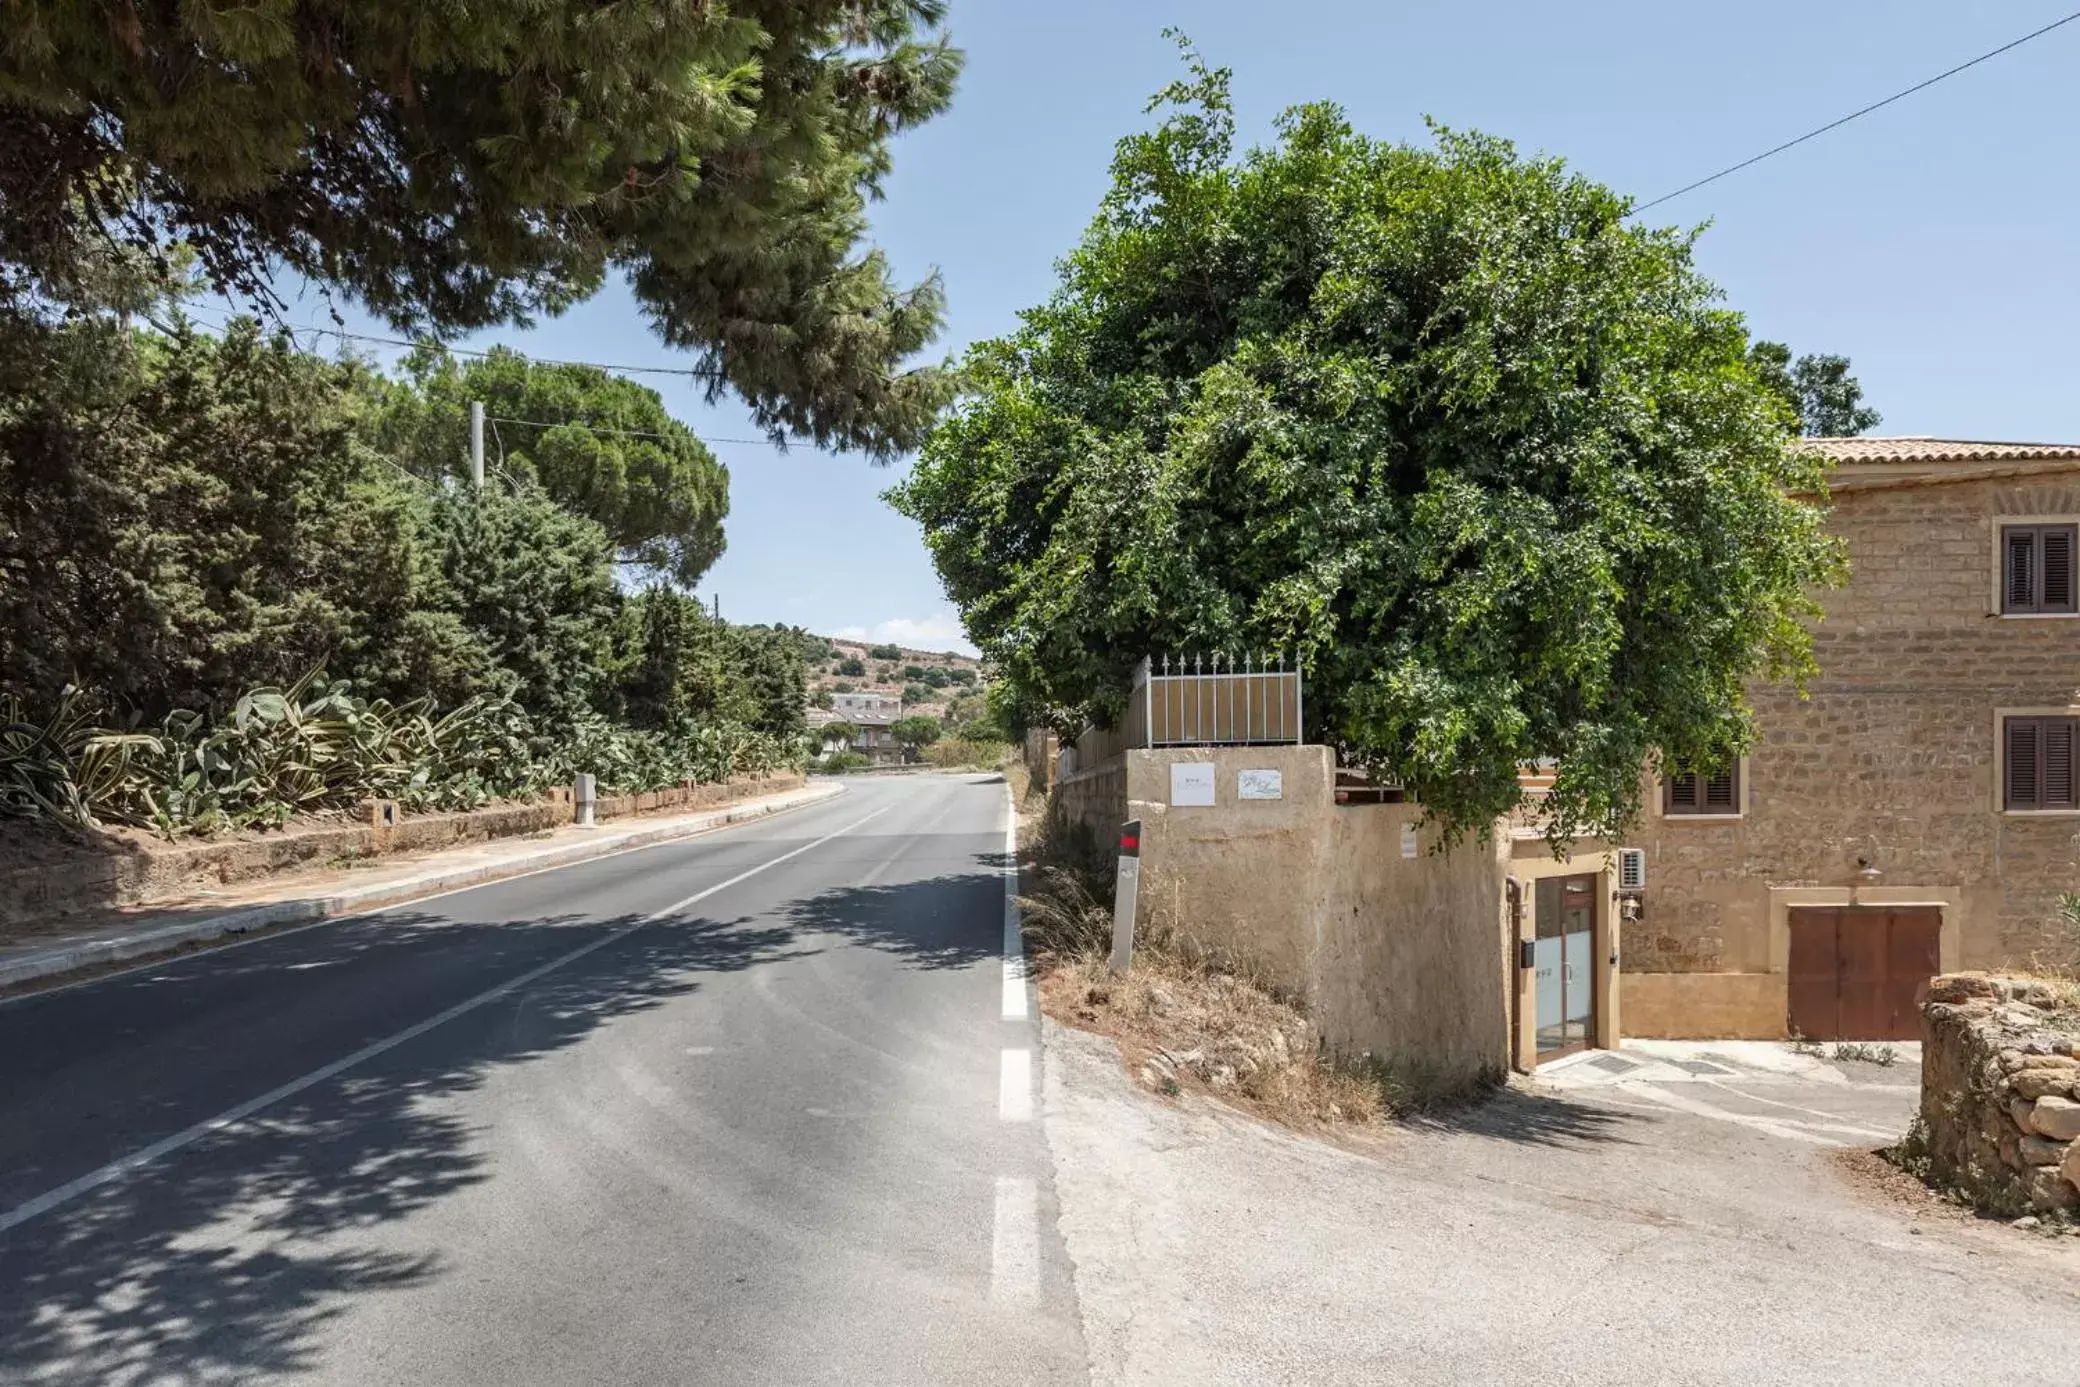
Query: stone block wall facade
{"x": 1881, "y": 787}
{"x": 2000, "y": 1111}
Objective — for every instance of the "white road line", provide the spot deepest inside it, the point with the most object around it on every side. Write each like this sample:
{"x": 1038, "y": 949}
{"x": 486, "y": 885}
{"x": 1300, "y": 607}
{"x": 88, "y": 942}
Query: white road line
{"x": 165, "y": 1146}
{"x": 262, "y": 936}
{"x": 1014, "y": 941}
{"x": 1014, "y": 1251}
{"x": 697, "y": 897}
{"x": 1015, "y": 1086}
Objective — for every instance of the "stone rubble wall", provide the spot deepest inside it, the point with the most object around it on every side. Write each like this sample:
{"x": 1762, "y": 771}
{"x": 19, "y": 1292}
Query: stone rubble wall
{"x": 2000, "y": 1093}
{"x": 135, "y": 871}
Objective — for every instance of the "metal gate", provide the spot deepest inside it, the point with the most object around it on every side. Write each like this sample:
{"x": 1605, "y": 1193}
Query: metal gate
{"x": 1857, "y": 971}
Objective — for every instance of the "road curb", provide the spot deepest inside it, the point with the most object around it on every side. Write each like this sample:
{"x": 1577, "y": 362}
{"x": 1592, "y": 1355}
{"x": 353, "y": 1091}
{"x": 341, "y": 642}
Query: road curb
{"x": 60, "y": 959}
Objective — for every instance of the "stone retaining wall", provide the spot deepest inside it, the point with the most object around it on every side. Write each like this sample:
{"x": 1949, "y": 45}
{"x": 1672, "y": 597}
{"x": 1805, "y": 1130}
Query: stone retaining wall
{"x": 2000, "y": 1114}
{"x": 130, "y": 872}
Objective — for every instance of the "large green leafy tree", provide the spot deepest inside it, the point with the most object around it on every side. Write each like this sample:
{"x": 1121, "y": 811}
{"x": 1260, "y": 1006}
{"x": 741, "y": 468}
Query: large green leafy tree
{"x": 1488, "y": 460}
{"x": 1824, "y": 399}
{"x": 454, "y": 166}
{"x": 599, "y": 444}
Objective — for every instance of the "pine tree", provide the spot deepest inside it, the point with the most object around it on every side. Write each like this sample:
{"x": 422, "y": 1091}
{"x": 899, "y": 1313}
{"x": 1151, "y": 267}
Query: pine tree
{"x": 599, "y": 444}
{"x": 459, "y": 166}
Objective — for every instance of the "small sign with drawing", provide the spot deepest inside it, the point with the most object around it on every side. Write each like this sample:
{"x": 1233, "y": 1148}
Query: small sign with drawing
{"x": 1260, "y": 785}
{"x": 1409, "y": 846}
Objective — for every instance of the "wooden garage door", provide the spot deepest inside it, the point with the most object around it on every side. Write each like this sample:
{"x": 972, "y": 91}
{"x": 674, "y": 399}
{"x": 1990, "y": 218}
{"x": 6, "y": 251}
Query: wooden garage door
{"x": 1856, "y": 970}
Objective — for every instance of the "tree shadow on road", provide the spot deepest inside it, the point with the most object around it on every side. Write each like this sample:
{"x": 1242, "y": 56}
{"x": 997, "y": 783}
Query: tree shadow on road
{"x": 222, "y": 1261}
{"x": 1532, "y": 1119}
{"x": 929, "y": 923}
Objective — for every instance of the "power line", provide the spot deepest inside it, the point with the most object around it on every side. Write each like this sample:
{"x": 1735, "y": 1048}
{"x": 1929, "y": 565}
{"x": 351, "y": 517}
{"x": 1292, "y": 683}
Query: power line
{"x": 315, "y": 330}
{"x": 632, "y": 433}
{"x": 1853, "y": 115}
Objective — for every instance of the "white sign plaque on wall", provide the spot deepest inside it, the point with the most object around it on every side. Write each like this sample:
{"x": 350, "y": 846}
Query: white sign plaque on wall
{"x": 1408, "y": 840}
{"x": 1191, "y": 784}
{"x": 1260, "y": 785}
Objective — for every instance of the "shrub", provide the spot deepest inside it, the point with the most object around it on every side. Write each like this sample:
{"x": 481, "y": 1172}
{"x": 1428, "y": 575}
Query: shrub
{"x": 961, "y": 752}
{"x": 886, "y": 652}
{"x": 914, "y": 732}
{"x": 837, "y": 763}
{"x": 853, "y": 667}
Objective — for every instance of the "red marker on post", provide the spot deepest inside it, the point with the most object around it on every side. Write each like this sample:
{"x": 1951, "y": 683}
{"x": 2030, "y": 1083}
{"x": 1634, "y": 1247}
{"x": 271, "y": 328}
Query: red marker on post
{"x": 1126, "y": 888}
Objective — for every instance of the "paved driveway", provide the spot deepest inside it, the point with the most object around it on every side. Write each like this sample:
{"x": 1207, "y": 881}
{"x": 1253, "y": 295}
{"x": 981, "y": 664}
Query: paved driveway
{"x": 1825, "y": 1095}
{"x": 1663, "y": 1225}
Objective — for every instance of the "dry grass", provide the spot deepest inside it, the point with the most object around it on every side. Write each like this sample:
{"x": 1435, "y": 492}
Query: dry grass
{"x": 1185, "y": 1025}
{"x": 2060, "y": 968}
{"x": 2064, "y": 984}
{"x": 1185, "y": 1022}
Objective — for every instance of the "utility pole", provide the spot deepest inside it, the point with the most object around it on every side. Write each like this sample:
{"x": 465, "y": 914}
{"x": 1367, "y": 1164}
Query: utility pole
{"x": 476, "y": 444}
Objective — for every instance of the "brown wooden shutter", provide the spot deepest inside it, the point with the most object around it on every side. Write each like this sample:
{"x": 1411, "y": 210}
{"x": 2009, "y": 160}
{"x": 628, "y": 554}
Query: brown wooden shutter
{"x": 2055, "y": 568}
{"x": 1683, "y": 795}
{"x": 2055, "y": 771}
{"x": 1720, "y": 792}
{"x": 2020, "y": 593}
{"x": 2022, "y": 789}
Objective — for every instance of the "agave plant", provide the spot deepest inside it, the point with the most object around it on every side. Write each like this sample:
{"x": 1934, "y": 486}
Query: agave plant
{"x": 317, "y": 745}
{"x": 38, "y": 761}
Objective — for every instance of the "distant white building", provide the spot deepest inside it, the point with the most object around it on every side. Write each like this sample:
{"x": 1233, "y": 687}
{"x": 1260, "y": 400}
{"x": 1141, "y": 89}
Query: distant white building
{"x": 857, "y": 707}
{"x": 873, "y": 714}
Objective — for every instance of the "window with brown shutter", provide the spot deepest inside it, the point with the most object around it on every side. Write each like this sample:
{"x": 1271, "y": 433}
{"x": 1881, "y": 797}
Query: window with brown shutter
{"x": 2037, "y": 563}
{"x": 1717, "y": 793}
{"x": 2039, "y": 763}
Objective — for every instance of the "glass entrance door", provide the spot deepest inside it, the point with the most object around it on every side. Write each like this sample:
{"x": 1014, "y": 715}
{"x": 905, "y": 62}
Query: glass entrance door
{"x": 1563, "y": 963}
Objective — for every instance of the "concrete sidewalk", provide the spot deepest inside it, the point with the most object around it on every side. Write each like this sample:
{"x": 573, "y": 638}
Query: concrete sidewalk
{"x": 304, "y": 897}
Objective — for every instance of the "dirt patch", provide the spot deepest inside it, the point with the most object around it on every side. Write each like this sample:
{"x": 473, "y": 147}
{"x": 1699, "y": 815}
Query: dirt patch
{"x": 1875, "y": 1178}
{"x": 1181, "y": 1026}
{"x": 1873, "y": 1175}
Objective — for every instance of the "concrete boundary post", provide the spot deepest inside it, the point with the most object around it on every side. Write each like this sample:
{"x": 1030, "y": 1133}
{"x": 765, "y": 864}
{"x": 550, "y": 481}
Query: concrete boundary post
{"x": 1126, "y": 890}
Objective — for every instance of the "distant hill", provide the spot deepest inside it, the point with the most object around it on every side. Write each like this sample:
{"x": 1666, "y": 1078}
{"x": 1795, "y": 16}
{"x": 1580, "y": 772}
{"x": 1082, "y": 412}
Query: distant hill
{"x": 953, "y": 683}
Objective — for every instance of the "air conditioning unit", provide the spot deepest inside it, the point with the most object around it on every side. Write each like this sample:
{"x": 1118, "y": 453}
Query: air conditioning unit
{"x": 1632, "y": 869}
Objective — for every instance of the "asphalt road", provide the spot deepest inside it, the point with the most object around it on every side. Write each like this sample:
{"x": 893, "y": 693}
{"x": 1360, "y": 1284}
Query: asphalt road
{"x": 578, "y": 1127}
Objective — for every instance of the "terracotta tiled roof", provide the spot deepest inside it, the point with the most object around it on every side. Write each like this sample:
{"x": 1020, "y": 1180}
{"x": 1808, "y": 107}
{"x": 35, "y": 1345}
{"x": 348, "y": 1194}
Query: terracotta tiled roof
{"x": 1937, "y": 450}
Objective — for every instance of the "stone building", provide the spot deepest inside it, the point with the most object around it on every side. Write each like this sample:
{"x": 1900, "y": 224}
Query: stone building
{"x": 1919, "y": 812}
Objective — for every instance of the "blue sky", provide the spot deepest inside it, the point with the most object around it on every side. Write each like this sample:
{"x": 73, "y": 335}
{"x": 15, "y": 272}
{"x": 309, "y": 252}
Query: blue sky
{"x": 1931, "y": 242}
